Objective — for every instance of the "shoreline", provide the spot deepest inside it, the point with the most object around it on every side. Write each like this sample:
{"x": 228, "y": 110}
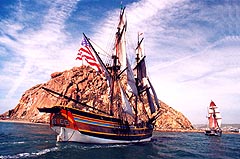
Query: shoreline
{"x": 180, "y": 130}
{"x": 192, "y": 131}
{"x": 21, "y": 121}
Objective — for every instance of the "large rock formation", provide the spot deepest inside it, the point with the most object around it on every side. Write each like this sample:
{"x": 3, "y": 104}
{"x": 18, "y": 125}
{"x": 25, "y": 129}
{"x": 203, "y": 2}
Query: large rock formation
{"x": 84, "y": 84}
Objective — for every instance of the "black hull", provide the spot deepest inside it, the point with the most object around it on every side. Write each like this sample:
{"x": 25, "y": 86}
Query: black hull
{"x": 213, "y": 132}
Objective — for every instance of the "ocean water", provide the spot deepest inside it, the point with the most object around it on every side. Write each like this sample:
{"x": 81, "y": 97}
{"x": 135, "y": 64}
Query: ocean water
{"x": 19, "y": 140}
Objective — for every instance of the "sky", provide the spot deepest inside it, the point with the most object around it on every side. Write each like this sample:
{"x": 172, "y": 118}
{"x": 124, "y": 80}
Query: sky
{"x": 192, "y": 47}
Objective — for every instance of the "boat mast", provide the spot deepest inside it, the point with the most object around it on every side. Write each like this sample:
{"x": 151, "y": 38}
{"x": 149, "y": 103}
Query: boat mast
{"x": 115, "y": 57}
{"x": 137, "y": 61}
{"x": 115, "y": 69}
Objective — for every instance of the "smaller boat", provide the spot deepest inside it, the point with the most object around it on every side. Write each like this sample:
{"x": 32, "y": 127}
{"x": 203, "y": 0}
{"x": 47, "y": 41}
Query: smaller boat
{"x": 214, "y": 121}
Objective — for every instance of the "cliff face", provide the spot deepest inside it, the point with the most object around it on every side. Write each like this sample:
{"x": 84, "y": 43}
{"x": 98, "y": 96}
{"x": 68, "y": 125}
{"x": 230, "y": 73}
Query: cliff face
{"x": 84, "y": 84}
{"x": 172, "y": 119}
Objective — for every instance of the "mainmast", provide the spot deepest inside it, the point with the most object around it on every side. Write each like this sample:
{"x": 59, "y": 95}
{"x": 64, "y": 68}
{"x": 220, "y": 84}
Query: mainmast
{"x": 118, "y": 57}
{"x": 114, "y": 70}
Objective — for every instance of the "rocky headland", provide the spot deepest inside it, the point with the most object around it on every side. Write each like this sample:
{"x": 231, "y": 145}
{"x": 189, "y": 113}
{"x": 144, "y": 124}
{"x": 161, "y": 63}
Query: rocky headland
{"x": 85, "y": 84}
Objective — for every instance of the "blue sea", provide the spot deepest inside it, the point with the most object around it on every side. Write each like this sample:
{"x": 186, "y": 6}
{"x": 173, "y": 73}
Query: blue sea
{"x": 18, "y": 140}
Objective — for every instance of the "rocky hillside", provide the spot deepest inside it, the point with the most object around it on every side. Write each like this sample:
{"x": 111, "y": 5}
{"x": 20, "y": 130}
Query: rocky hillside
{"x": 81, "y": 83}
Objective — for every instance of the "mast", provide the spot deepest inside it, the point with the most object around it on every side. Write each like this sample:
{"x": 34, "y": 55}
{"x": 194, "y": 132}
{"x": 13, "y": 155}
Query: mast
{"x": 115, "y": 69}
{"x": 137, "y": 82}
{"x": 143, "y": 82}
{"x": 117, "y": 57}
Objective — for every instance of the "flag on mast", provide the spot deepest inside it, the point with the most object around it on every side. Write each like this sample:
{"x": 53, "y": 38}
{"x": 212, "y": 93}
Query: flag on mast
{"x": 86, "y": 56}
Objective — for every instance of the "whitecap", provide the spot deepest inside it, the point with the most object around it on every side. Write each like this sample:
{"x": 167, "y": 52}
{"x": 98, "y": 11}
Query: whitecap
{"x": 21, "y": 155}
{"x": 33, "y": 154}
{"x": 14, "y": 143}
{"x": 42, "y": 152}
{"x": 88, "y": 146}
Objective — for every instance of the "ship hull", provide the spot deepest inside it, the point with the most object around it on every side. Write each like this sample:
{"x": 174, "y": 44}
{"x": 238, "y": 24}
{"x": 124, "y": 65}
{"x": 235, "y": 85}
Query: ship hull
{"x": 70, "y": 135}
{"x": 213, "y": 132}
{"x": 80, "y": 126}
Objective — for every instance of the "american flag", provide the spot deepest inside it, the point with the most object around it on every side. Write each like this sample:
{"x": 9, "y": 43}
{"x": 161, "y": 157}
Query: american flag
{"x": 86, "y": 56}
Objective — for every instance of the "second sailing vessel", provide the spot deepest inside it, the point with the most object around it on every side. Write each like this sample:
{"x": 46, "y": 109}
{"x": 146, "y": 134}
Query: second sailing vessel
{"x": 214, "y": 121}
{"x": 133, "y": 104}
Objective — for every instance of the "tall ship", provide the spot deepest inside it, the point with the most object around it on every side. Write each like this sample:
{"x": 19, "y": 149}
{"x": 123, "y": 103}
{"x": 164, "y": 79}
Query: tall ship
{"x": 132, "y": 107}
{"x": 214, "y": 121}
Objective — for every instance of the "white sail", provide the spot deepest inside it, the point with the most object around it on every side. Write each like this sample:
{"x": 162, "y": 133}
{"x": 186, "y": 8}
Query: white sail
{"x": 131, "y": 79}
{"x": 125, "y": 103}
{"x": 218, "y": 116}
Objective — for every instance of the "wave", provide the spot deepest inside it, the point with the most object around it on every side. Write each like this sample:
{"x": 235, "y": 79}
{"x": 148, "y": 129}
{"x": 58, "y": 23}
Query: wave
{"x": 12, "y": 143}
{"x": 88, "y": 146}
{"x": 59, "y": 147}
{"x": 33, "y": 154}
{"x": 23, "y": 142}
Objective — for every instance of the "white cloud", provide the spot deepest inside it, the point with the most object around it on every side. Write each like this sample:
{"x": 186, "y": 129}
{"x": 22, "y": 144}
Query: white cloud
{"x": 35, "y": 51}
{"x": 188, "y": 84}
